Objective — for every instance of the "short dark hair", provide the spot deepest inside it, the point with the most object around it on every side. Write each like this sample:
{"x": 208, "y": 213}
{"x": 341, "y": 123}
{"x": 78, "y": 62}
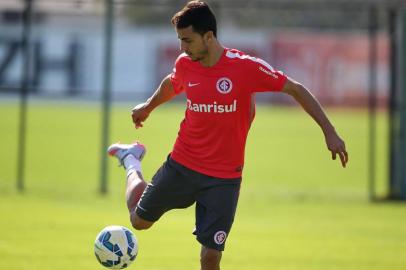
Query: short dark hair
{"x": 198, "y": 15}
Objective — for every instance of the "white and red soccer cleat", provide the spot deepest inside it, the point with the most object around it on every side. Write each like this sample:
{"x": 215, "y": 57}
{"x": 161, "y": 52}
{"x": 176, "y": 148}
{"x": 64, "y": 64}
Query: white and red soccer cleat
{"x": 120, "y": 151}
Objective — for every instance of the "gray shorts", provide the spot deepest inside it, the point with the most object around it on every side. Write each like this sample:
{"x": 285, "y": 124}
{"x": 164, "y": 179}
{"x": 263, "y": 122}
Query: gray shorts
{"x": 175, "y": 186}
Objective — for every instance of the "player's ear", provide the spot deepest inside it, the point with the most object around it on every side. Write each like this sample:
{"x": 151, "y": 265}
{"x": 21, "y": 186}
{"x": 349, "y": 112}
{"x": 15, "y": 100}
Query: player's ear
{"x": 208, "y": 36}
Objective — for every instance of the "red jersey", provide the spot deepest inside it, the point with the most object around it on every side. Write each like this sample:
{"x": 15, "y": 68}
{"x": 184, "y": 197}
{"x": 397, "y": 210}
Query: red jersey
{"x": 212, "y": 136}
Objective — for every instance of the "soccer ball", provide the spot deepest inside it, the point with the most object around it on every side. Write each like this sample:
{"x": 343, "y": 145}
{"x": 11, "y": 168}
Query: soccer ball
{"x": 116, "y": 247}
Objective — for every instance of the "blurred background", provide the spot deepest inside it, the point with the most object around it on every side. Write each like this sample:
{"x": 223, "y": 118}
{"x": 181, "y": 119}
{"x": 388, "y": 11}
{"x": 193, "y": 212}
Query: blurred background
{"x": 71, "y": 70}
{"x": 317, "y": 42}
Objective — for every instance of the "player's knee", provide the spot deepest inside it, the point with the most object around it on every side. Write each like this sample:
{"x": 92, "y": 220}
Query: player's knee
{"x": 139, "y": 223}
{"x": 210, "y": 257}
{"x": 139, "y": 226}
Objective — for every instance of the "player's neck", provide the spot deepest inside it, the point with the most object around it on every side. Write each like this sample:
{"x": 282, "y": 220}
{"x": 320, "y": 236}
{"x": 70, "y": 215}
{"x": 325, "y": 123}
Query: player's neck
{"x": 213, "y": 56}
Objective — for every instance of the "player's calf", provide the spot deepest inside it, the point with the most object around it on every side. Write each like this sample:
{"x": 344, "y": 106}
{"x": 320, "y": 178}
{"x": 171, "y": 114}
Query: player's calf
{"x": 130, "y": 156}
{"x": 210, "y": 259}
{"x": 135, "y": 189}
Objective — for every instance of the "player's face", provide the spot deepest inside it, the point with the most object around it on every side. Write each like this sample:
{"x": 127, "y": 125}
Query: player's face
{"x": 192, "y": 43}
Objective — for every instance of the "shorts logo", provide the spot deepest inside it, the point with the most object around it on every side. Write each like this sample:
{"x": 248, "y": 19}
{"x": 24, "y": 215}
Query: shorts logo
{"x": 224, "y": 85}
{"x": 220, "y": 237}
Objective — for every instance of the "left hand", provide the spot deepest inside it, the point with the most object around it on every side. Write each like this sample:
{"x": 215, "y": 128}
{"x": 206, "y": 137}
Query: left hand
{"x": 337, "y": 147}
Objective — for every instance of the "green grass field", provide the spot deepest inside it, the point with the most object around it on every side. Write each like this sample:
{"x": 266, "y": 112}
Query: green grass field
{"x": 298, "y": 209}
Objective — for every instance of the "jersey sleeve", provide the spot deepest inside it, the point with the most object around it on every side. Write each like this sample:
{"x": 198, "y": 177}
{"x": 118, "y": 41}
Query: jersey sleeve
{"x": 264, "y": 78}
{"x": 177, "y": 76}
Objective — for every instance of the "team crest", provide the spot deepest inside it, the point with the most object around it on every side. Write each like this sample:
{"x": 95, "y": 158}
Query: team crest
{"x": 224, "y": 85}
{"x": 220, "y": 237}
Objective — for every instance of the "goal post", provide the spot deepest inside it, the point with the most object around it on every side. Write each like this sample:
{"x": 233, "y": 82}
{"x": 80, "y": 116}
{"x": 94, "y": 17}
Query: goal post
{"x": 397, "y": 181}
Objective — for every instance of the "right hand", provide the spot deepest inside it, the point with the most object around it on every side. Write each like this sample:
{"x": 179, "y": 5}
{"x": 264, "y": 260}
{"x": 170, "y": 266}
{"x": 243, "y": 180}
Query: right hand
{"x": 139, "y": 114}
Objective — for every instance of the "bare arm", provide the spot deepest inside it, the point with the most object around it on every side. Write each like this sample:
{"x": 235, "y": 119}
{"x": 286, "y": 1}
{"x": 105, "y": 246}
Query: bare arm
{"x": 309, "y": 103}
{"x": 164, "y": 93}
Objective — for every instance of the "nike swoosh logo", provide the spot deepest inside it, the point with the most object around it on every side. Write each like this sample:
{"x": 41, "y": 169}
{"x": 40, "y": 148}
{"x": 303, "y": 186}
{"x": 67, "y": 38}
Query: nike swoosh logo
{"x": 193, "y": 84}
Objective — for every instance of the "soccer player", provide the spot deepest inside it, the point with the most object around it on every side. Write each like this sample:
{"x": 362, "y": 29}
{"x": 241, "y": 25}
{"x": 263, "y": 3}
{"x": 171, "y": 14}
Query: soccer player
{"x": 206, "y": 162}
